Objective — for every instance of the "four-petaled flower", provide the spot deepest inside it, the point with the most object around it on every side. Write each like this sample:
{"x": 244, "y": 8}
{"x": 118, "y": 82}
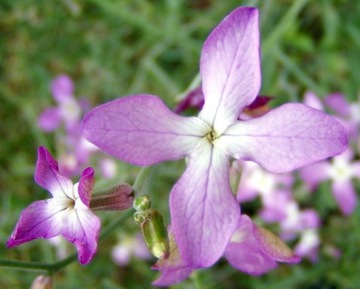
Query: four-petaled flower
{"x": 141, "y": 130}
{"x": 67, "y": 213}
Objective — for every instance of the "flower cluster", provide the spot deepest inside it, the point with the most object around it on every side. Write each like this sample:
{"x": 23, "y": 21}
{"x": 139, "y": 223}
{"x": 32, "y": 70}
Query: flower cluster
{"x": 206, "y": 220}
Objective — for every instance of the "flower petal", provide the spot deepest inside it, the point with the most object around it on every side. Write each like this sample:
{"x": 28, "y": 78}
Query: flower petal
{"x": 244, "y": 253}
{"x": 286, "y": 138}
{"x": 81, "y": 227}
{"x": 50, "y": 119}
{"x": 86, "y": 186}
{"x": 173, "y": 269}
{"x": 42, "y": 219}
{"x": 230, "y": 67}
{"x": 47, "y": 175}
{"x": 62, "y": 88}
{"x": 204, "y": 212}
{"x": 172, "y": 277}
{"x": 141, "y": 130}
{"x": 273, "y": 246}
{"x": 314, "y": 174}
{"x": 345, "y": 196}
{"x": 338, "y": 103}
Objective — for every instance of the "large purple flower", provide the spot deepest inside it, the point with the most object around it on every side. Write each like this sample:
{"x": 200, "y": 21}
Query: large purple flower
{"x": 67, "y": 213}
{"x": 141, "y": 130}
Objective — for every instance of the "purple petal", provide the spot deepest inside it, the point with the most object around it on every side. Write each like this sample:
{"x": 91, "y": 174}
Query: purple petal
{"x": 47, "y": 175}
{"x": 345, "y": 196}
{"x": 50, "y": 119}
{"x": 86, "y": 186}
{"x": 244, "y": 252}
{"x": 204, "y": 211}
{"x": 81, "y": 227}
{"x": 230, "y": 68}
{"x": 141, "y": 130}
{"x": 273, "y": 247}
{"x": 338, "y": 103}
{"x": 259, "y": 102}
{"x": 62, "y": 88}
{"x": 173, "y": 269}
{"x": 42, "y": 219}
{"x": 314, "y": 174}
{"x": 313, "y": 101}
{"x": 286, "y": 138}
{"x": 172, "y": 277}
{"x": 308, "y": 245}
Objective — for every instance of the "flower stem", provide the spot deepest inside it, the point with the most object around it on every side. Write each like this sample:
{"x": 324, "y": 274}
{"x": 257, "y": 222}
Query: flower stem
{"x": 24, "y": 266}
{"x": 140, "y": 179}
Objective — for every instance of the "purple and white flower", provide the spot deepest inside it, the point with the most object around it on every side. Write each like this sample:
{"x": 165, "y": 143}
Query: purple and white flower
{"x": 141, "y": 130}
{"x": 67, "y": 213}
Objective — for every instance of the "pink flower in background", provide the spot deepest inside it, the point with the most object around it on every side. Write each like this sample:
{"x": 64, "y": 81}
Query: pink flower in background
{"x": 255, "y": 181}
{"x": 68, "y": 110}
{"x": 130, "y": 246}
{"x": 141, "y": 130}
{"x": 341, "y": 170}
{"x": 344, "y": 168}
{"x": 279, "y": 205}
{"x": 251, "y": 249}
{"x": 75, "y": 150}
{"x": 67, "y": 213}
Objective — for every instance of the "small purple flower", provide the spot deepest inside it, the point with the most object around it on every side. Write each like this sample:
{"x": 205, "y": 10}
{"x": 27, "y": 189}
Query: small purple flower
{"x": 141, "y": 130}
{"x": 252, "y": 250}
{"x": 341, "y": 171}
{"x": 67, "y": 213}
{"x": 68, "y": 110}
{"x": 130, "y": 246}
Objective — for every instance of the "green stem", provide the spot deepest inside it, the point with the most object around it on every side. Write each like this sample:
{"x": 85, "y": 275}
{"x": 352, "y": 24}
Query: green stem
{"x": 25, "y": 266}
{"x": 141, "y": 178}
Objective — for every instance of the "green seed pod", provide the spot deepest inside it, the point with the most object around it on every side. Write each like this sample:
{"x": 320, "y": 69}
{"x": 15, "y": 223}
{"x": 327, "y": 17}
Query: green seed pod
{"x": 142, "y": 203}
{"x": 155, "y": 233}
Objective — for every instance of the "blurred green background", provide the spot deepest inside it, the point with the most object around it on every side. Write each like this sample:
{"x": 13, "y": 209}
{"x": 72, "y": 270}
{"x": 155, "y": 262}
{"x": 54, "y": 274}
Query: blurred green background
{"x": 113, "y": 48}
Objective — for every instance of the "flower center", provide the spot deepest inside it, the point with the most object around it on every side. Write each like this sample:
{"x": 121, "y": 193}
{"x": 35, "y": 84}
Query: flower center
{"x": 212, "y": 136}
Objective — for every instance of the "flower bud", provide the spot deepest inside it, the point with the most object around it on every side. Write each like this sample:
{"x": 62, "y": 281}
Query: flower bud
{"x": 42, "y": 282}
{"x": 119, "y": 197}
{"x": 154, "y": 233}
{"x": 142, "y": 203}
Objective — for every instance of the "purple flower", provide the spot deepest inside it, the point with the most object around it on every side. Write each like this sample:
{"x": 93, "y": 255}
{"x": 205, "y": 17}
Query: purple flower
{"x": 251, "y": 249}
{"x": 341, "y": 171}
{"x": 68, "y": 110}
{"x": 141, "y": 130}
{"x": 130, "y": 246}
{"x": 343, "y": 168}
{"x": 66, "y": 214}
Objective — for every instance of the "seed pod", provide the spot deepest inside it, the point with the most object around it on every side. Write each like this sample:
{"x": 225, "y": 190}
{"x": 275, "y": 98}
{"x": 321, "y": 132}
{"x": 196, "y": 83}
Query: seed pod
{"x": 155, "y": 233}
